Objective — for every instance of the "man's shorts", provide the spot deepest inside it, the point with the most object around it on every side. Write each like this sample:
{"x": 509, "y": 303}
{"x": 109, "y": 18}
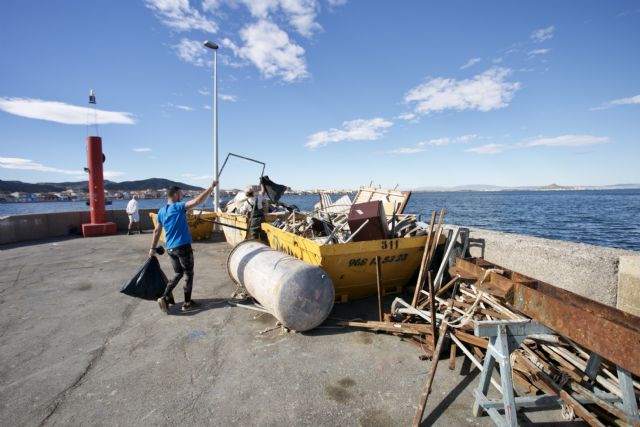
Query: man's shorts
{"x": 134, "y": 218}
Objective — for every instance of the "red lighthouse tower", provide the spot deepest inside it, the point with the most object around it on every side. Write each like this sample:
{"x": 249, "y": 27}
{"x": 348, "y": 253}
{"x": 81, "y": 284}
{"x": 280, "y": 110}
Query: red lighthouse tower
{"x": 95, "y": 158}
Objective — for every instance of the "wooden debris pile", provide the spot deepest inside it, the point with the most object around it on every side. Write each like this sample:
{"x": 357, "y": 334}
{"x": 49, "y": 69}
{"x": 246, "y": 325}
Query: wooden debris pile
{"x": 328, "y": 227}
{"x": 557, "y": 363}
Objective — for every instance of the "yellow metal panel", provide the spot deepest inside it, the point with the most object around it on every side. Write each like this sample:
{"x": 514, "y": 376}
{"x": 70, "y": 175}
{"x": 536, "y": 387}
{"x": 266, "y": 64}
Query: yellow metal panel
{"x": 199, "y": 230}
{"x": 234, "y": 236}
{"x": 352, "y": 266}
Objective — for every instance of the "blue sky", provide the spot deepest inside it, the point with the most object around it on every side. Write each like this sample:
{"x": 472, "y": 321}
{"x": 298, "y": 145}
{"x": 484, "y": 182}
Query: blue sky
{"x": 331, "y": 94}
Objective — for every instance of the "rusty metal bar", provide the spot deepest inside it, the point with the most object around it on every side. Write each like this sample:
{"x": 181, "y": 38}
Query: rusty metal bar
{"x": 426, "y": 388}
{"x": 607, "y": 331}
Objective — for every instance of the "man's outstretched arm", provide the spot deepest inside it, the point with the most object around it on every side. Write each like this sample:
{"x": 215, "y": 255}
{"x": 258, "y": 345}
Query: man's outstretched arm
{"x": 201, "y": 197}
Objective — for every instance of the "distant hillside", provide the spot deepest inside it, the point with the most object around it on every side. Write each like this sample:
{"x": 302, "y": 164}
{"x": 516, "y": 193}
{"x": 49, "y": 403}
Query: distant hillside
{"x": 551, "y": 187}
{"x": 53, "y": 187}
{"x": 26, "y": 187}
{"x": 147, "y": 184}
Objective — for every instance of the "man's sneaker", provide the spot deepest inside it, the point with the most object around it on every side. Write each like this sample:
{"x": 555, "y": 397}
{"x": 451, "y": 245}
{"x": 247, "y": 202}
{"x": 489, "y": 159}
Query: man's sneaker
{"x": 170, "y": 299}
{"x": 163, "y": 303}
{"x": 189, "y": 305}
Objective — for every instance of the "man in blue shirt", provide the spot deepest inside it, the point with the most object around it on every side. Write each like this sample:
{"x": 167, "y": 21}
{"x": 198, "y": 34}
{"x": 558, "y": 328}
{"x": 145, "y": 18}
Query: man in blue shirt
{"x": 173, "y": 218}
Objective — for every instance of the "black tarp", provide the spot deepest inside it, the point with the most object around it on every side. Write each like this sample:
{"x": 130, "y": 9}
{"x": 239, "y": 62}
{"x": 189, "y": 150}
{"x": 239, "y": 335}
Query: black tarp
{"x": 148, "y": 283}
{"x": 274, "y": 191}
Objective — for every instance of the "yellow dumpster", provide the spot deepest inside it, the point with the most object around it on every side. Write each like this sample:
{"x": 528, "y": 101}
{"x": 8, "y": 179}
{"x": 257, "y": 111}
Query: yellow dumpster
{"x": 352, "y": 266}
{"x": 200, "y": 230}
{"x": 235, "y": 235}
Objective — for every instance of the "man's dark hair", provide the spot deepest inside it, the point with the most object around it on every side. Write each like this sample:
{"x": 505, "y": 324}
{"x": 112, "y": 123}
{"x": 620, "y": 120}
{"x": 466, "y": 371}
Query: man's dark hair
{"x": 173, "y": 190}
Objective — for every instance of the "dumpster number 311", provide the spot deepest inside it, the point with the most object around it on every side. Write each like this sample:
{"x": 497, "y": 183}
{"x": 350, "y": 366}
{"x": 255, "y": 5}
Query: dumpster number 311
{"x": 390, "y": 244}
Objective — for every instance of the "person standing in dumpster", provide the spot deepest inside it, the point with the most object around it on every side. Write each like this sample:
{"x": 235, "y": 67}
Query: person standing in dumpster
{"x": 173, "y": 218}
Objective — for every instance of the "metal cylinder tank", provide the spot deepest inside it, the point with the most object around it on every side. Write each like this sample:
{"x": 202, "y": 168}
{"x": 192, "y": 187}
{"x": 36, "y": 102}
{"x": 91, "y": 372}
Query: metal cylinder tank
{"x": 298, "y": 294}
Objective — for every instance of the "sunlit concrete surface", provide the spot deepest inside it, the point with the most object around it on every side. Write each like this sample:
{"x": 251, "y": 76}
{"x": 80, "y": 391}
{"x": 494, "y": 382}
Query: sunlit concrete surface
{"x": 75, "y": 351}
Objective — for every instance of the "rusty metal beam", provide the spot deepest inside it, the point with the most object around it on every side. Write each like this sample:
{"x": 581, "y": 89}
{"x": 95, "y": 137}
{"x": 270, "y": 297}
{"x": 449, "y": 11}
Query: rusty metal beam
{"x": 611, "y": 333}
{"x": 607, "y": 331}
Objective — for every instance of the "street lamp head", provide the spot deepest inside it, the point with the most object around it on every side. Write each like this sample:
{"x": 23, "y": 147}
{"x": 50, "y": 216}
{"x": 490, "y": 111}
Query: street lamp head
{"x": 210, "y": 45}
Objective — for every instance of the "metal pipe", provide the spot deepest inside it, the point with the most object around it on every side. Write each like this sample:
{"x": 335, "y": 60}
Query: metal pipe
{"x": 216, "y": 194}
{"x": 472, "y": 359}
{"x": 445, "y": 260}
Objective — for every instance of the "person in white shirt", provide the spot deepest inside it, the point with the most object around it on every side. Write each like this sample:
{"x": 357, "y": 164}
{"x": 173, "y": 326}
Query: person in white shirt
{"x": 251, "y": 201}
{"x": 244, "y": 202}
{"x": 134, "y": 216}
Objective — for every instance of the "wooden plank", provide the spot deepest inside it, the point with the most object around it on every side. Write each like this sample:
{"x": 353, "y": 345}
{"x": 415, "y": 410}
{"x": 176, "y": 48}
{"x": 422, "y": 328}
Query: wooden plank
{"x": 395, "y": 327}
{"x": 423, "y": 264}
{"x": 471, "y": 339}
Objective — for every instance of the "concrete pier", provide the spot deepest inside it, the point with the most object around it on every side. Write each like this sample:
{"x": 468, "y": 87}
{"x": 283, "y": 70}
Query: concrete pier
{"x": 77, "y": 352}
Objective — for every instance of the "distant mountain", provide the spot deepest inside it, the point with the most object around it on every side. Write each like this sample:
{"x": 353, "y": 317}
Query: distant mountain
{"x": 551, "y": 187}
{"x": 54, "y": 187}
{"x": 147, "y": 184}
{"x": 477, "y": 187}
{"x": 26, "y": 187}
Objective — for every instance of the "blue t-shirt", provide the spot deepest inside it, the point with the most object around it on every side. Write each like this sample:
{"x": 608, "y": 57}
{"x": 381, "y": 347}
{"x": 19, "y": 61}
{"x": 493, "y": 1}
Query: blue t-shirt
{"x": 173, "y": 217}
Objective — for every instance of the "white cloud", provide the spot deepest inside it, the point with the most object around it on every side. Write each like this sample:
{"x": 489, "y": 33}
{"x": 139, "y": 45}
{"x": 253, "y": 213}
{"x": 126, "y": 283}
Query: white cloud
{"x": 266, "y": 42}
{"x": 112, "y": 174}
{"x": 542, "y": 34}
{"x": 61, "y": 112}
{"x": 484, "y": 92}
{"x": 184, "y": 107}
{"x": 353, "y": 130}
{"x": 300, "y": 14}
{"x": 470, "y": 63}
{"x": 626, "y": 101}
{"x": 406, "y": 150}
{"x": 179, "y": 15}
{"x": 142, "y": 150}
{"x": 195, "y": 177}
{"x": 204, "y": 91}
{"x": 193, "y": 52}
{"x": 269, "y": 48}
{"x": 207, "y": 107}
{"x": 406, "y": 116}
{"x": 621, "y": 101}
{"x": 536, "y": 52}
{"x": 487, "y": 149}
{"x": 230, "y": 98}
{"x": 568, "y": 141}
{"x": 29, "y": 165}
{"x": 448, "y": 141}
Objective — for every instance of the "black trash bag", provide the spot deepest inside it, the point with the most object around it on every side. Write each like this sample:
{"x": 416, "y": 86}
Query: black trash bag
{"x": 148, "y": 283}
{"x": 274, "y": 191}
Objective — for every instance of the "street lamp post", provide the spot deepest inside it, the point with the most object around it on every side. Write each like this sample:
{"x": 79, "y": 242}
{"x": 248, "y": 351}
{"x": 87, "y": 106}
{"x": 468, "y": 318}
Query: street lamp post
{"x": 216, "y": 194}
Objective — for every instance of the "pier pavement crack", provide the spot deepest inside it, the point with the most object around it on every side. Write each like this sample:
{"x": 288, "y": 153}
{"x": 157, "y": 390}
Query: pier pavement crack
{"x": 190, "y": 409}
{"x": 15, "y": 281}
{"x": 97, "y": 354}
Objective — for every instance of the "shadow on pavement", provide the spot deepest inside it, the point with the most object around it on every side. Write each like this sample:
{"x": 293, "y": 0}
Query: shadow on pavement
{"x": 204, "y": 304}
